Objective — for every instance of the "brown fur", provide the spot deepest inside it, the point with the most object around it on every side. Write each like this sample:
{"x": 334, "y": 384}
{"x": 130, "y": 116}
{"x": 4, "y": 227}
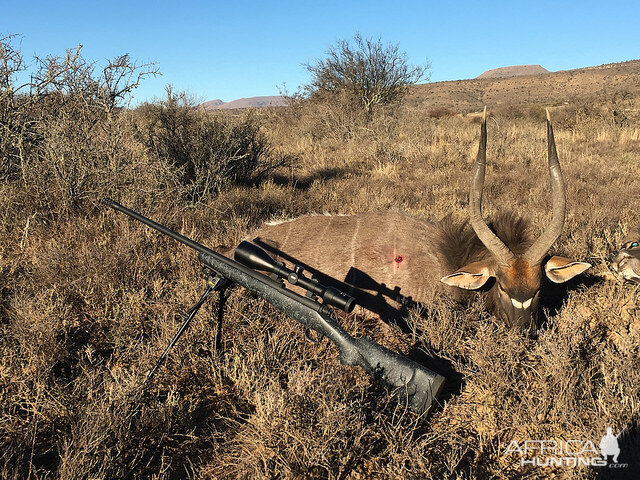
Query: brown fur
{"x": 375, "y": 256}
{"x": 386, "y": 258}
{"x": 458, "y": 245}
{"x": 626, "y": 260}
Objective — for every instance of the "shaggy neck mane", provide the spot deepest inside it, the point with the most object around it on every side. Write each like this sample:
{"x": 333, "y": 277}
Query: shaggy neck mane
{"x": 458, "y": 244}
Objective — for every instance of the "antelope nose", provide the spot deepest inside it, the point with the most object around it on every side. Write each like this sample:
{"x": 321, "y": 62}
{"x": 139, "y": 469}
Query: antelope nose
{"x": 521, "y": 305}
{"x": 523, "y": 315}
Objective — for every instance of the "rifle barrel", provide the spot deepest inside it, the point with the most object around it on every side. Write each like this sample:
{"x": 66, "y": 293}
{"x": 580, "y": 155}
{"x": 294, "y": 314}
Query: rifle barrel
{"x": 161, "y": 228}
{"x": 210, "y": 258}
{"x": 416, "y": 384}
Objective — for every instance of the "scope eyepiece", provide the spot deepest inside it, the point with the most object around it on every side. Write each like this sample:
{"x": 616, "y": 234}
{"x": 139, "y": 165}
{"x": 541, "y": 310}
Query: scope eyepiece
{"x": 339, "y": 299}
{"x": 254, "y": 257}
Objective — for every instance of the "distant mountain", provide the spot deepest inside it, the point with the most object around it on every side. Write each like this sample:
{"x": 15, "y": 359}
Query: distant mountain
{"x": 521, "y": 85}
{"x": 579, "y": 86}
{"x": 514, "y": 71}
{"x": 212, "y": 104}
{"x": 252, "y": 102}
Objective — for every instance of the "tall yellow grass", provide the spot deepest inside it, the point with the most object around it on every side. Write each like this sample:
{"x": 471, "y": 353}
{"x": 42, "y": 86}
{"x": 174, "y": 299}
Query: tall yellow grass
{"x": 88, "y": 299}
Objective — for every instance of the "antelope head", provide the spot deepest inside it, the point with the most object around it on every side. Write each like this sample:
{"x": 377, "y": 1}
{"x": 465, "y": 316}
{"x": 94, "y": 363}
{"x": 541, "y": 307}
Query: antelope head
{"x": 626, "y": 261}
{"x": 518, "y": 277}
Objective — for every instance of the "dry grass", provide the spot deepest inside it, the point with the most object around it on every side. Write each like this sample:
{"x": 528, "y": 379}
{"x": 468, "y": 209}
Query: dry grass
{"x": 88, "y": 299}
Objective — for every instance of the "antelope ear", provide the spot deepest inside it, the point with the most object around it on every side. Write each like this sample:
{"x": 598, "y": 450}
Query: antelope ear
{"x": 470, "y": 277}
{"x": 561, "y": 269}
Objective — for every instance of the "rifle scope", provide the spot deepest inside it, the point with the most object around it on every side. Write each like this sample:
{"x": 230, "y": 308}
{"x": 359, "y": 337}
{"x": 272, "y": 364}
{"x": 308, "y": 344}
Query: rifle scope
{"x": 254, "y": 257}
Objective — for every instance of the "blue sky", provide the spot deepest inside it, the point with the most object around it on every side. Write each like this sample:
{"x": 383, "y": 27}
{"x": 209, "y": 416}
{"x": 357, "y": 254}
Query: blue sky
{"x": 243, "y": 48}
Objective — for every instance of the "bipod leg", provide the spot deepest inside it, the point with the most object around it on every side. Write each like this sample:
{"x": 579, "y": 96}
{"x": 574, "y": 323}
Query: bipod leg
{"x": 222, "y": 298}
{"x": 213, "y": 284}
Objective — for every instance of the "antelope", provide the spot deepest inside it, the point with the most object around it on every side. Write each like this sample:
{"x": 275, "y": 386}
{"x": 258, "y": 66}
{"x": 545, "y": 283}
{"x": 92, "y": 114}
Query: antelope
{"x": 371, "y": 252}
{"x": 626, "y": 261}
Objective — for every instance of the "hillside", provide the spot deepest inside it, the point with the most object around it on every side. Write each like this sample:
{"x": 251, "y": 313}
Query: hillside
{"x": 212, "y": 104}
{"x": 617, "y": 80}
{"x": 514, "y": 71}
{"x": 251, "y": 102}
{"x": 514, "y": 85}
{"x": 89, "y": 299}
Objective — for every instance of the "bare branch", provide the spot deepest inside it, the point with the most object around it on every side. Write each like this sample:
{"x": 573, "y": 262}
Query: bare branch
{"x": 371, "y": 72}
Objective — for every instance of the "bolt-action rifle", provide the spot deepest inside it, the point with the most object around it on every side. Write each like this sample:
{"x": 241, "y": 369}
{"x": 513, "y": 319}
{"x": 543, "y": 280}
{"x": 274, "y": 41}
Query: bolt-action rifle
{"x": 414, "y": 384}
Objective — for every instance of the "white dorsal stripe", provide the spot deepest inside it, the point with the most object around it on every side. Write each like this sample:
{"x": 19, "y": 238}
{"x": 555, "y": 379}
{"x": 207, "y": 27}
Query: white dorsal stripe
{"x": 521, "y": 305}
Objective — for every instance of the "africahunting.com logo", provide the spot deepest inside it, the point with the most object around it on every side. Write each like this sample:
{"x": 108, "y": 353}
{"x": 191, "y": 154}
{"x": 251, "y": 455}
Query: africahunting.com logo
{"x": 568, "y": 453}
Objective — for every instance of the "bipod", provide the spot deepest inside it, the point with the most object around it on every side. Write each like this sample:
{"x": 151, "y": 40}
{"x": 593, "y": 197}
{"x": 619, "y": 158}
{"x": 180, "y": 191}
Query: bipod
{"x": 215, "y": 283}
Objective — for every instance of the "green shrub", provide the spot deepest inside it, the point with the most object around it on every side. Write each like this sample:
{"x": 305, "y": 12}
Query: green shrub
{"x": 63, "y": 134}
{"x": 367, "y": 71}
{"x": 209, "y": 151}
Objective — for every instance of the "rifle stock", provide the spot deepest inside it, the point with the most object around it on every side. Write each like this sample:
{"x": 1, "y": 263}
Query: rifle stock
{"x": 414, "y": 384}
